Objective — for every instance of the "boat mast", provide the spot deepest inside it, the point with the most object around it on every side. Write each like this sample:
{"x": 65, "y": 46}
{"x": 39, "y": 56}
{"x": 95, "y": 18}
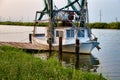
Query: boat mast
{"x": 87, "y": 12}
{"x": 84, "y": 14}
{"x": 51, "y": 27}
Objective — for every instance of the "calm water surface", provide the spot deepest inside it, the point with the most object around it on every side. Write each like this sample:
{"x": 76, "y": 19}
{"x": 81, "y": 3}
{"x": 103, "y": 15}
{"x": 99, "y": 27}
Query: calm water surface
{"x": 109, "y": 55}
{"x": 106, "y": 61}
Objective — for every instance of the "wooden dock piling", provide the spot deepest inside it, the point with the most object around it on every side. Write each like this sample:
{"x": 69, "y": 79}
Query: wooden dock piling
{"x": 50, "y": 47}
{"x": 77, "y": 54}
{"x": 60, "y": 49}
{"x": 30, "y": 38}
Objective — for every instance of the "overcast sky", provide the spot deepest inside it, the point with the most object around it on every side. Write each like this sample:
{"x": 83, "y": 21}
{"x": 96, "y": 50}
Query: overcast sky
{"x": 24, "y": 10}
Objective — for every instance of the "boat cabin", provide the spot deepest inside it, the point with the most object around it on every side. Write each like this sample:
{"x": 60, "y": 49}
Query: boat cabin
{"x": 69, "y": 35}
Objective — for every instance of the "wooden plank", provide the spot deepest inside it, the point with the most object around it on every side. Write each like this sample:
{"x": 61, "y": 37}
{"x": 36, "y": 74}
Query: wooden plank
{"x": 24, "y": 45}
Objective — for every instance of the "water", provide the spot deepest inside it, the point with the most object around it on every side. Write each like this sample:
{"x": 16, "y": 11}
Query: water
{"x": 15, "y": 33}
{"x": 109, "y": 54}
{"x": 105, "y": 61}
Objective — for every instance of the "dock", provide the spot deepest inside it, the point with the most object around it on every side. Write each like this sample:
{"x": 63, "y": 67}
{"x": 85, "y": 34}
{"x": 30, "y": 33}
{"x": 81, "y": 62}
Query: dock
{"x": 25, "y": 46}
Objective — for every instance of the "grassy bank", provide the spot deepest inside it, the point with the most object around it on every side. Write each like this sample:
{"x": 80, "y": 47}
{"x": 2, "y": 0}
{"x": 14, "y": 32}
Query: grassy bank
{"x": 16, "y": 64}
{"x": 97, "y": 25}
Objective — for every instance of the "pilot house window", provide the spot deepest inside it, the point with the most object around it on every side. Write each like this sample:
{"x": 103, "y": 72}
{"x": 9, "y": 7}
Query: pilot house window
{"x": 81, "y": 33}
{"x": 70, "y": 33}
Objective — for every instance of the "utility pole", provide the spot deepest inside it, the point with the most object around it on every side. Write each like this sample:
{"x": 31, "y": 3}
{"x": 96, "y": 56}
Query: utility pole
{"x": 0, "y": 18}
{"x": 100, "y": 16}
{"x": 9, "y": 18}
{"x": 116, "y": 19}
{"x": 77, "y": 50}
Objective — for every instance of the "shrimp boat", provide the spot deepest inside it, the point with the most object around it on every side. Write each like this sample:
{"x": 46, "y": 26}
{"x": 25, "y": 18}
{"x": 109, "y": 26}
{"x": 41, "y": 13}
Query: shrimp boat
{"x": 69, "y": 22}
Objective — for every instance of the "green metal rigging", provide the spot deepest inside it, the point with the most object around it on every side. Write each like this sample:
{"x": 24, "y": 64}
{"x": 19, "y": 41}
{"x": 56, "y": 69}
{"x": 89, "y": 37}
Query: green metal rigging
{"x": 71, "y": 3}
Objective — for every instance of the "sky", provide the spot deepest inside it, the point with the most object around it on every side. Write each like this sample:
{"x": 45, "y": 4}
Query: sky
{"x": 24, "y": 10}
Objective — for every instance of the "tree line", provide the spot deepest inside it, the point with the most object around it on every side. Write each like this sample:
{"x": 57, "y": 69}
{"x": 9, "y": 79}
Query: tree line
{"x": 97, "y": 25}
{"x": 23, "y": 23}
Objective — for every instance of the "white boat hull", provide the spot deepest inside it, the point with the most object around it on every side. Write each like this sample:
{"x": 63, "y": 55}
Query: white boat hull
{"x": 85, "y": 48}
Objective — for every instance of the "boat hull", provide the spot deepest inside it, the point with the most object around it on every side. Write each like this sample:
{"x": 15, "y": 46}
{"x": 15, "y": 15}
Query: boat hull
{"x": 84, "y": 48}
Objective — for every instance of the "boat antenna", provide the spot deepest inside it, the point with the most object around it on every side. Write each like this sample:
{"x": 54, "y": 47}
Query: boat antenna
{"x": 100, "y": 16}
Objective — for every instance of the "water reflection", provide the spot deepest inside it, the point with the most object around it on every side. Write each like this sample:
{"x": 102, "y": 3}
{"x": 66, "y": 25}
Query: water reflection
{"x": 86, "y": 62}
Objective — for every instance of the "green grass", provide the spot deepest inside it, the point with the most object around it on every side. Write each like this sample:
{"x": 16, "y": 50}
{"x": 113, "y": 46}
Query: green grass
{"x": 16, "y": 64}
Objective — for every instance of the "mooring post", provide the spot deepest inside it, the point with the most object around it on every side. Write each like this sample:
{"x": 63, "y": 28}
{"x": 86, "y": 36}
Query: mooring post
{"x": 60, "y": 49}
{"x": 50, "y": 29}
{"x": 30, "y": 38}
{"x": 77, "y": 46}
{"x": 50, "y": 47}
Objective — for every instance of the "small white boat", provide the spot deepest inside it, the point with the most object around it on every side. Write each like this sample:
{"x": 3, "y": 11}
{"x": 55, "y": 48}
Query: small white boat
{"x": 73, "y": 26}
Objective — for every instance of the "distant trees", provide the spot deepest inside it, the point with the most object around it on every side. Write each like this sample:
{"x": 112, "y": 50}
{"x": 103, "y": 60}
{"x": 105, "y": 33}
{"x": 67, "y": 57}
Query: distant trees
{"x": 23, "y": 23}
{"x": 97, "y": 25}
{"x": 113, "y": 25}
